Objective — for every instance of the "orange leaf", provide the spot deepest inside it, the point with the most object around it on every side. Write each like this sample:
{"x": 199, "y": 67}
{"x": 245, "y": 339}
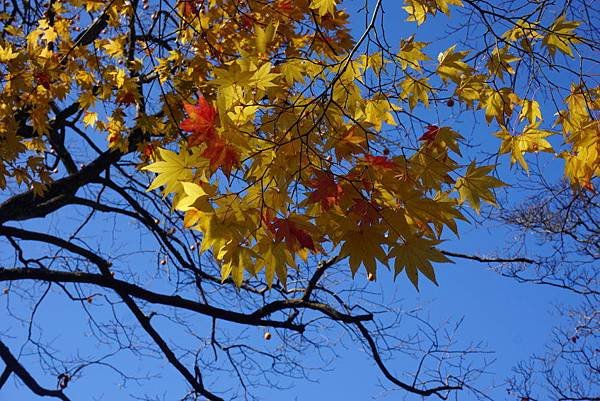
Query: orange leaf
{"x": 327, "y": 192}
{"x": 295, "y": 238}
{"x": 200, "y": 122}
{"x": 380, "y": 162}
{"x": 221, "y": 154}
{"x": 366, "y": 211}
{"x": 191, "y": 7}
{"x": 351, "y": 142}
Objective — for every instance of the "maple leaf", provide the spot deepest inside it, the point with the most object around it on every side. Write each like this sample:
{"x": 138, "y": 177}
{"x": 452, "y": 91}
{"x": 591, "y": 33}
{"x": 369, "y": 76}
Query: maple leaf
{"x": 190, "y": 7}
{"x": 221, "y": 154}
{"x": 415, "y": 255}
{"x": 327, "y": 193}
{"x": 499, "y": 62}
{"x": 411, "y": 54}
{"x": 7, "y": 54}
{"x": 451, "y": 65}
{"x": 364, "y": 247}
{"x": 379, "y": 162}
{"x": 367, "y": 212}
{"x": 285, "y": 6}
{"x": 265, "y": 36}
{"x": 476, "y": 185}
{"x": 379, "y": 111}
{"x": 216, "y": 232}
{"x": 287, "y": 231}
{"x": 275, "y": 257}
{"x": 430, "y": 134}
{"x": 415, "y": 90}
{"x": 522, "y": 29}
{"x": 116, "y": 47}
{"x": 560, "y": 36}
{"x": 499, "y": 104}
{"x": 191, "y": 193}
{"x": 531, "y": 140}
{"x": 263, "y": 77}
{"x": 200, "y": 122}
{"x": 323, "y": 6}
{"x": 171, "y": 169}
{"x": 444, "y": 138}
{"x": 90, "y": 118}
{"x": 531, "y": 111}
{"x": 234, "y": 260}
{"x": 351, "y": 142}
{"x": 417, "y": 11}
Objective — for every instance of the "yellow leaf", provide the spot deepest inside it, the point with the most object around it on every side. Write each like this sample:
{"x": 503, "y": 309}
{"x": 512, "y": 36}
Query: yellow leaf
{"x": 530, "y": 111}
{"x": 451, "y": 67}
{"x": 415, "y": 90}
{"x": 476, "y": 185}
{"x": 363, "y": 246}
{"x": 262, "y": 78}
{"x": 115, "y": 47}
{"x": 417, "y": 11}
{"x": 191, "y": 193}
{"x": 499, "y": 104}
{"x": 379, "y": 111}
{"x": 499, "y": 62}
{"x": 415, "y": 255}
{"x": 265, "y": 36}
{"x": 216, "y": 234}
{"x": 90, "y": 118}
{"x": 7, "y": 54}
{"x": 531, "y": 140}
{"x": 323, "y": 6}
{"x": 522, "y": 30}
{"x": 172, "y": 169}
{"x": 560, "y": 36}
{"x": 293, "y": 71}
{"x": 235, "y": 259}
{"x": 410, "y": 54}
{"x": 243, "y": 114}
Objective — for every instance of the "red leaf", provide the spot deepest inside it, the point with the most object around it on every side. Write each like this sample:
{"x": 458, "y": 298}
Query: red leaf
{"x": 42, "y": 78}
{"x": 126, "y": 98}
{"x": 430, "y": 134}
{"x": 285, "y": 6}
{"x": 247, "y": 21}
{"x": 201, "y": 121}
{"x": 221, "y": 154}
{"x": 148, "y": 150}
{"x": 587, "y": 184}
{"x": 367, "y": 212}
{"x": 381, "y": 162}
{"x": 191, "y": 7}
{"x": 327, "y": 192}
{"x": 295, "y": 238}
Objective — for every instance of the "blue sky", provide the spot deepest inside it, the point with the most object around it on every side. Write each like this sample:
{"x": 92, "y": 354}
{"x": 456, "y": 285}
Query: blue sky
{"x": 511, "y": 320}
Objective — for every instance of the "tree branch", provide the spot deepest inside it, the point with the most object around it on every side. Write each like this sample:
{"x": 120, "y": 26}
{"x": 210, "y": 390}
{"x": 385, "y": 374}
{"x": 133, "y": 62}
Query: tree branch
{"x": 13, "y": 364}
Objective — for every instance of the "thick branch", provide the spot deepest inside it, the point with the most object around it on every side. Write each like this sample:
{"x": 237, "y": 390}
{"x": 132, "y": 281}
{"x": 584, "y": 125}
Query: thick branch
{"x": 334, "y": 314}
{"x": 13, "y": 364}
{"x": 4, "y": 376}
{"x": 28, "y": 205}
{"x": 124, "y": 287}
